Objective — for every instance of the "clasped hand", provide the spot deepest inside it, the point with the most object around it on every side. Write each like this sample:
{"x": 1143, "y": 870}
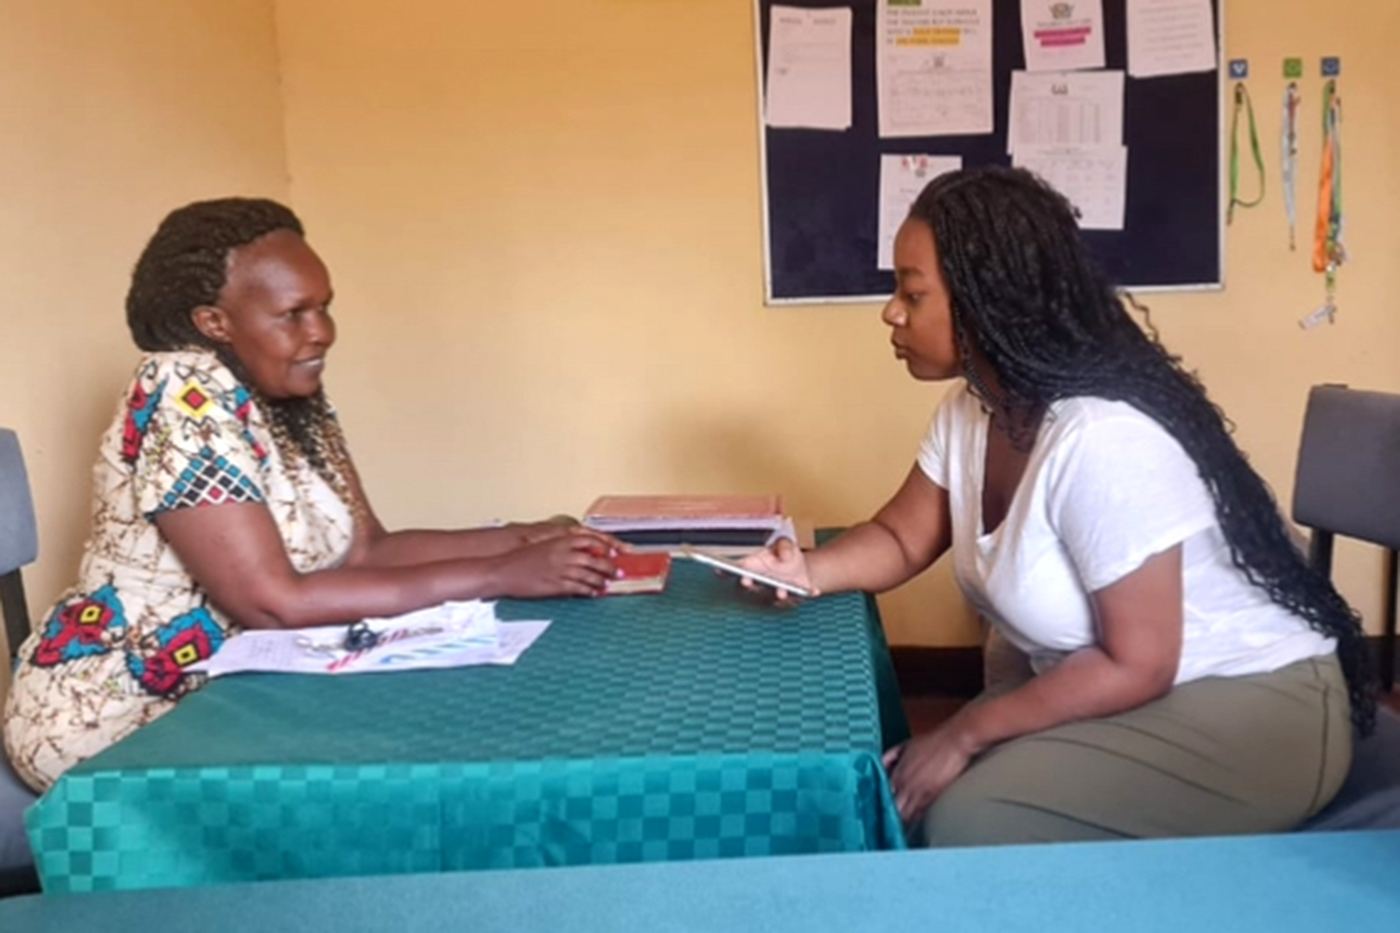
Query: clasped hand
{"x": 561, "y": 560}
{"x": 923, "y": 768}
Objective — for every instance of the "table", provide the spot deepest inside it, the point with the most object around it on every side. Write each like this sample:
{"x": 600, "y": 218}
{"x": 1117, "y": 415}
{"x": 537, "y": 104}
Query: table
{"x": 1271, "y": 884}
{"x": 695, "y": 724}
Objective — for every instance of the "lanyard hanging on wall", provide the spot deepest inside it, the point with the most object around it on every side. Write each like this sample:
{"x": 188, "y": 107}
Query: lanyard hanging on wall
{"x": 1243, "y": 103}
{"x": 1329, "y": 251}
{"x": 1289, "y": 158}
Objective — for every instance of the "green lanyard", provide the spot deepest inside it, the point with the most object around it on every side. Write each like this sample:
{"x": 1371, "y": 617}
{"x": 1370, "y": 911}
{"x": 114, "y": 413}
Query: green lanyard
{"x": 1242, "y": 102}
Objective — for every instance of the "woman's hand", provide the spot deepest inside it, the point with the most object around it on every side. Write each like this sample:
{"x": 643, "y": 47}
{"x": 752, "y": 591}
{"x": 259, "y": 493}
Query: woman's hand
{"x": 923, "y": 767}
{"x": 576, "y": 563}
{"x": 547, "y": 530}
{"x": 785, "y": 561}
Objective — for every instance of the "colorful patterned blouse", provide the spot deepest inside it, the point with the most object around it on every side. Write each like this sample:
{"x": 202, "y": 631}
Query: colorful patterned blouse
{"x": 112, "y": 654}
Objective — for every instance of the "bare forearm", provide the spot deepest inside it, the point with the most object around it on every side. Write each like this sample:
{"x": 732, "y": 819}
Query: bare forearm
{"x": 348, "y": 594}
{"x": 1088, "y": 684}
{"x": 867, "y": 557}
{"x": 406, "y": 548}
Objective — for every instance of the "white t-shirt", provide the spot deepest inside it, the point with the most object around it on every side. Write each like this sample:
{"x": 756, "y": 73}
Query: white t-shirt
{"x": 1105, "y": 488}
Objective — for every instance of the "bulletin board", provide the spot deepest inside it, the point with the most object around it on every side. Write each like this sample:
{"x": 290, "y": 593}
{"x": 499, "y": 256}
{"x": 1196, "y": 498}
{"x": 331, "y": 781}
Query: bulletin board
{"x": 821, "y": 187}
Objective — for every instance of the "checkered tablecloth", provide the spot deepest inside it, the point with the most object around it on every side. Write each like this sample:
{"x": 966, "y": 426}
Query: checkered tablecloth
{"x": 695, "y": 724}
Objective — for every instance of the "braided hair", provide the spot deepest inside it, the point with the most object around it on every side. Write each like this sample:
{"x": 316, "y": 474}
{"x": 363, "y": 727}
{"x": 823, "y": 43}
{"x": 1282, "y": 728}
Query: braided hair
{"x": 184, "y": 266}
{"x": 1028, "y": 299}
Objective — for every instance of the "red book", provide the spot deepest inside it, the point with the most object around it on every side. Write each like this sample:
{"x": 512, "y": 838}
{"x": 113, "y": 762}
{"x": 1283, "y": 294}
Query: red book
{"x": 641, "y": 573}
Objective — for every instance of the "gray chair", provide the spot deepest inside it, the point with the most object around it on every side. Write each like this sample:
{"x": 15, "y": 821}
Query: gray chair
{"x": 19, "y": 546}
{"x": 1348, "y": 483}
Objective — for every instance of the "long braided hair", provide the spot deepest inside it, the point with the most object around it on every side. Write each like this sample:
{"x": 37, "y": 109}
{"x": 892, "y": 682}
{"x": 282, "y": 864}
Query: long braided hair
{"x": 185, "y": 265}
{"x": 1028, "y": 298}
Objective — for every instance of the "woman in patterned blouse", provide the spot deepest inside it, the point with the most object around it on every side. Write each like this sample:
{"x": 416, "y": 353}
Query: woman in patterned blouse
{"x": 225, "y": 498}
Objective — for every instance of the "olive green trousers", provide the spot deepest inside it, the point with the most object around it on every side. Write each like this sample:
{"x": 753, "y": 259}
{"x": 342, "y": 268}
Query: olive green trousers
{"x": 1217, "y": 756}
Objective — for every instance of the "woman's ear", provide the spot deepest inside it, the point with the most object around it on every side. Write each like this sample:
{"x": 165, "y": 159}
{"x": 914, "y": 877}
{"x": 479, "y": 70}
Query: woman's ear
{"x": 212, "y": 322}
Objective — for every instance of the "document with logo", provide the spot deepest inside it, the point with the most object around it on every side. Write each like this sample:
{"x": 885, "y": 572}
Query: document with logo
{"x": 1065, "y": 108}
{"x": 933, "y": 67}
{"x": 1062, "y": 35}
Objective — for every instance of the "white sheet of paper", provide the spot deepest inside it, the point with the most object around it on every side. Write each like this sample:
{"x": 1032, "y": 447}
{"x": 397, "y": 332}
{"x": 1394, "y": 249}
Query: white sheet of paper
{"x": 1168, "y": 37}
{"x": 1065, "y": 108}
{"x": 933, "y": 66}
{"x": 515, "y": 637}
{"x": 451, "y": 635}
{"x": 1061, "y": 35}
{"x": 1094, "y": 179}
{"x": 809, "y": 68}
{"x": 902, "y": 178}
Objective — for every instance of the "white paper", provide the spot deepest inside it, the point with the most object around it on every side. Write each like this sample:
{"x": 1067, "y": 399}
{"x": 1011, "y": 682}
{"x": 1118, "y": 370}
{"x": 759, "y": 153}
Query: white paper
{"x": 1094, "y": 179}
{"x": 451, "y": 635}
{"x": 809, "y": 68}
{"x": 1167, "y": 37}
{"x": 1060, "y": 35}
{"x": 1066, "y": 108}
{"x": 902, "y": 178}
{"x": 933, "y": 63}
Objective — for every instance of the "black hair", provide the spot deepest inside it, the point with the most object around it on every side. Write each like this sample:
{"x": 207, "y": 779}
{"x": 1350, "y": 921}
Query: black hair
{"x": 184, "y": 266}
{"x": 1029, "y": 299}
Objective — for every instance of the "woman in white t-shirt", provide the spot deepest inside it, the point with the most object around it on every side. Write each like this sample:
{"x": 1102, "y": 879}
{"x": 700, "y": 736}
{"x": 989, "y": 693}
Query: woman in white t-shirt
{"x": 1191, "y": 675}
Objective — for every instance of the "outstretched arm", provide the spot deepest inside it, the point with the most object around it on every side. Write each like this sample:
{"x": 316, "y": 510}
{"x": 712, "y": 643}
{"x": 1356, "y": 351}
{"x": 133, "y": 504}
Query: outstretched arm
{"x": 908, "y": 534}
{"x": 236, "y": 554}
{"x": 375, "y": 546}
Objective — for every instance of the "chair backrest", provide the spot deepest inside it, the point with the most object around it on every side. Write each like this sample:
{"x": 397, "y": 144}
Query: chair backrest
{"x": 19, "y": 538}
{"x": 1348, "y": 480}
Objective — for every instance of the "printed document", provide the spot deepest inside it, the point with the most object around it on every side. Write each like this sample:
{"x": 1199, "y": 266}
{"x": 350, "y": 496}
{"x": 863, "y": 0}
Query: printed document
{"x": 1061, "y": 35}
{"x": 1168, "y": 37}
{"x": 809, "y": 68}
{"x": 933, "y": 64}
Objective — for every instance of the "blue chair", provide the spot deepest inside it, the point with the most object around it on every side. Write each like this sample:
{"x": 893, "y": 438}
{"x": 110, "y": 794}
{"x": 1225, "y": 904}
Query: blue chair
{"x": 1348, "y": 483}
{"x": 19, "y": 545}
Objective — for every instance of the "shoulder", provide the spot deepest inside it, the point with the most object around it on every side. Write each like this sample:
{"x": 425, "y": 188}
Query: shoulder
{"x": 192, "y": 382}
{"x": 958, "y": 406}
{"x": 1111, "y": 444}
{"x": 188, "y": 365}
{"x": 1092, "y": 421}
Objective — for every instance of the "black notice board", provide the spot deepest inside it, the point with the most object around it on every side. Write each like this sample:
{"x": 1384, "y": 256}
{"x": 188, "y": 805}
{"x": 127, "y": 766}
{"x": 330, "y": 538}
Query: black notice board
{"x": 821, "y": 188}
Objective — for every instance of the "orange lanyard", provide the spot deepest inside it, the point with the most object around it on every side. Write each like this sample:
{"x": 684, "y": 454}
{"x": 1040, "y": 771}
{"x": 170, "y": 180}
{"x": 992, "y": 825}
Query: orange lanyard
{"x": 1328, "y": 250}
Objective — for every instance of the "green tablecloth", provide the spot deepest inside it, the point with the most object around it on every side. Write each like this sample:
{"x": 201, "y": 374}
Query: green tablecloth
{"x": 695, "y": 724}
{"x": 1309, "y": 883}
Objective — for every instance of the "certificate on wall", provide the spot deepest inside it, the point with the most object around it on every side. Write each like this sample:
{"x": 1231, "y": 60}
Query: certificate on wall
{"x": 1062, "y": 35}
{"x": 933, "y": 66}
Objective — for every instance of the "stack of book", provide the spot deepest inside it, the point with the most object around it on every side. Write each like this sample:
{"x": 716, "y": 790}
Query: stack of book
{"x": 721, "y": 524}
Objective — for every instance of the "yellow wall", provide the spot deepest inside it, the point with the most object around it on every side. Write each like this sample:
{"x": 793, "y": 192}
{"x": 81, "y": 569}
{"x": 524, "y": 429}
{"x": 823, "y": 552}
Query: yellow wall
{"x": 544, "y": 224}
{"x": 544, "y": 228}
{"x": 110, "y": 114}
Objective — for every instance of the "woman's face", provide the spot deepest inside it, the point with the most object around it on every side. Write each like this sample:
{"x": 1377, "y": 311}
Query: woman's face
{"x": 920, "y": 312}
{"x": 274, "y": 314}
